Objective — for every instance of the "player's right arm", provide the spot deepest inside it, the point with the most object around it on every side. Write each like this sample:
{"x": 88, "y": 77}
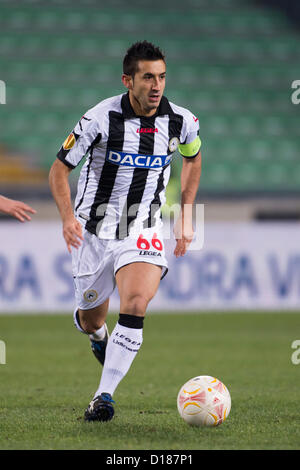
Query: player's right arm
{"x": 85, "y": 134}
{"x": 60, "y": 188}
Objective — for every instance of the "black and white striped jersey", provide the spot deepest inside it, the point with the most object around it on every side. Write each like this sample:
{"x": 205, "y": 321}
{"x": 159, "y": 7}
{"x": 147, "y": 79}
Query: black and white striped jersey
{"x": 123, "y": 180}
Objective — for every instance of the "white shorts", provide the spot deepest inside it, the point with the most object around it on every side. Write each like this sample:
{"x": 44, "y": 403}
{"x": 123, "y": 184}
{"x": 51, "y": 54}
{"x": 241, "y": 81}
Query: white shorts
{"x": 96, "y": 261}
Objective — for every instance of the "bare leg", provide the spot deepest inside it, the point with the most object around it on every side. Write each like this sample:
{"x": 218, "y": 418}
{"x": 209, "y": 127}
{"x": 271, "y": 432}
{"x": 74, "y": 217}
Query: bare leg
{"x": 137, "y": 284}
{"x": 91, "y": 320}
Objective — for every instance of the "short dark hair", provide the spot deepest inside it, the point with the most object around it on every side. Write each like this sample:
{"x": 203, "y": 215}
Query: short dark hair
{"x": 142, "y": 50}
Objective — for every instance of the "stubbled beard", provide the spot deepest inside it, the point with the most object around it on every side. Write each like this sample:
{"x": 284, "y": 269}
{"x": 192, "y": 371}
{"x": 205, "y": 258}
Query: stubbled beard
{"x": 147, "y": 107}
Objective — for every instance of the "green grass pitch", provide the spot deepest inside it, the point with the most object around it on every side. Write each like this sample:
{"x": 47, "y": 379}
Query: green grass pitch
{"x": 50, "y": 376}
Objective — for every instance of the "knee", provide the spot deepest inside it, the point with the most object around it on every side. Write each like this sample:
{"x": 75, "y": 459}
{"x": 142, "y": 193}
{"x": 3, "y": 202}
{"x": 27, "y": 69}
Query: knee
{"x": 135, "y": 304}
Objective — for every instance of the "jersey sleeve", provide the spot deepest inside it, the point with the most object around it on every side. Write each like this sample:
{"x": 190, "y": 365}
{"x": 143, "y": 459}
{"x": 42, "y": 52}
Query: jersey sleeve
{"x": 85, "y": 134}
{"x": 191, "y": 144}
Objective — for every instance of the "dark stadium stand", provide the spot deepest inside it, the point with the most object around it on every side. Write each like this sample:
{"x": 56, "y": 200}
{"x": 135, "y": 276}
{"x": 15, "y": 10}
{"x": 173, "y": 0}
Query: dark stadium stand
{"x": 231, "y": 62}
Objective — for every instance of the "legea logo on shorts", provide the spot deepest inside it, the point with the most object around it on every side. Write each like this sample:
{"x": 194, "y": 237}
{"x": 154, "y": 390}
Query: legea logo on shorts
{"x": 136, "y": 160}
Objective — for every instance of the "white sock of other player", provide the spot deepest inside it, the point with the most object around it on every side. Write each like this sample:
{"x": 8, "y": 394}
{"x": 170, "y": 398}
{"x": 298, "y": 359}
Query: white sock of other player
{"x": 96, "y": 336}
{"x": 122, "y": 347}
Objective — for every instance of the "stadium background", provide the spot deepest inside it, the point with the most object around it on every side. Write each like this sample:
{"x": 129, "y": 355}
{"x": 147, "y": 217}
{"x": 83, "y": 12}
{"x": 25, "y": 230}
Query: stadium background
{"x": 232, "y": 63}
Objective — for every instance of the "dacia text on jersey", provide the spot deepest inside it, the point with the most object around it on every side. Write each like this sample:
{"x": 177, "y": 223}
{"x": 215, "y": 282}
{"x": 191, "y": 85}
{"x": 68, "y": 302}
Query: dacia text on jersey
{"x": 136, "y": 160}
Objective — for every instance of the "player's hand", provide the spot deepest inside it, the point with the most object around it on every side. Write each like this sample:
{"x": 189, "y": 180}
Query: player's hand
{"x": 72, "y": 232}
{"x": 184, "y": 233}
{"x": 17, "y": 209}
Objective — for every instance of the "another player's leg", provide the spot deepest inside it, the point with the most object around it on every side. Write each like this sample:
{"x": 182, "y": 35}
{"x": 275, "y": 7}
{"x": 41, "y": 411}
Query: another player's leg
{"x": 137, "y": 284}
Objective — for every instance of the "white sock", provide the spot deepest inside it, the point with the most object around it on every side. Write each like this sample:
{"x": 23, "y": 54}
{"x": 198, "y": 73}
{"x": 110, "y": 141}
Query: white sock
{"x": 122, "y": 347}
{"x": 99, "y": 334}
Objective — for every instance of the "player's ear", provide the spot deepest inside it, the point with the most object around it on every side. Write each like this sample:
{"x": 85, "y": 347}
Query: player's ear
{"x": 127, "y": 81}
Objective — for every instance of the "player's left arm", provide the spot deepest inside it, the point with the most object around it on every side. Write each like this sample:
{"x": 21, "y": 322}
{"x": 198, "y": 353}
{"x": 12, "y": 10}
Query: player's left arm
{"x": 189, "y": 148}
{"x": 190, "y": 178}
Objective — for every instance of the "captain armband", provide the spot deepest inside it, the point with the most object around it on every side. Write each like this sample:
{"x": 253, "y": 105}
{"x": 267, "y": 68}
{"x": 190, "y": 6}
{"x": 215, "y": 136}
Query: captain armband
{"x": 190, "y": 150}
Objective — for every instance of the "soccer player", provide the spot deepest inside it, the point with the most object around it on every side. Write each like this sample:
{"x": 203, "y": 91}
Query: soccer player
{"x": 116, "y": 226}
{"x": 17, "y": 209}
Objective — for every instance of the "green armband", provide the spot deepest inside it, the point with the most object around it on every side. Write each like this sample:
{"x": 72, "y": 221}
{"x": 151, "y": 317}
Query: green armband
{"x": 190, "y": 150}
